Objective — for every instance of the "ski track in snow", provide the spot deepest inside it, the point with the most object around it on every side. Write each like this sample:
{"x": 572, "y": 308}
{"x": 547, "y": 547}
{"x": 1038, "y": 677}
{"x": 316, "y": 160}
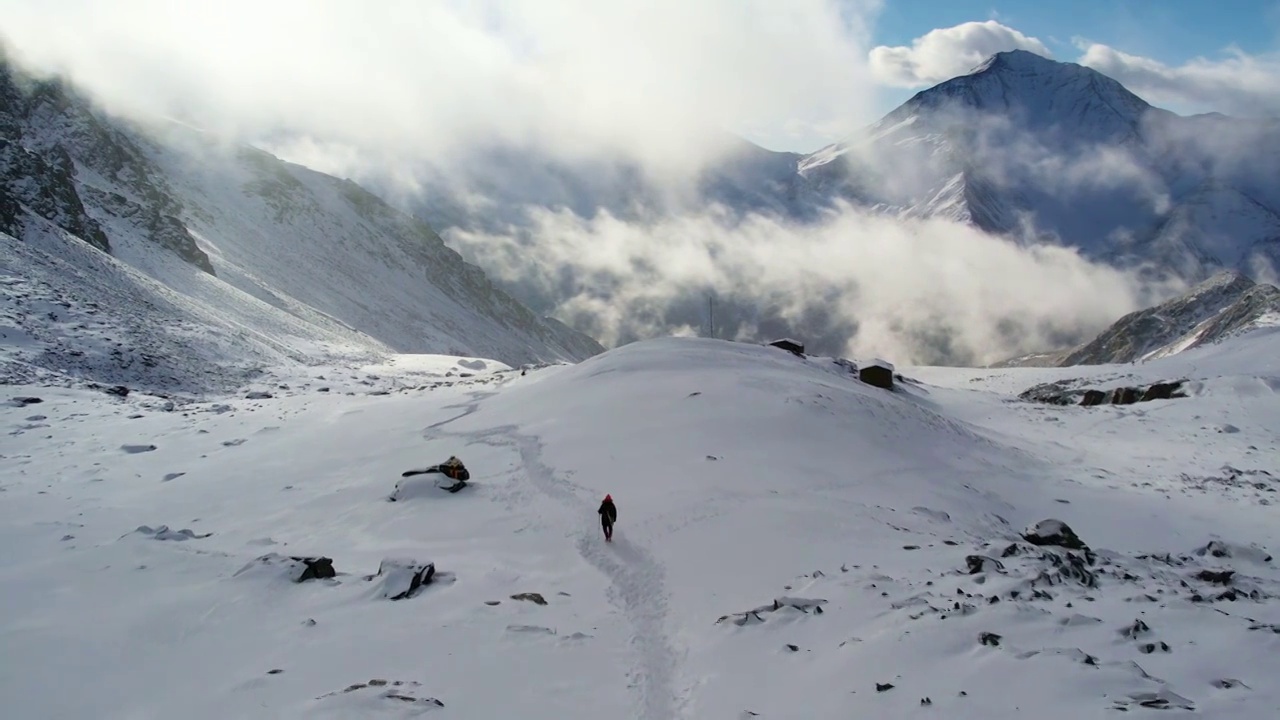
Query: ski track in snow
{"x": 636, "y": 579}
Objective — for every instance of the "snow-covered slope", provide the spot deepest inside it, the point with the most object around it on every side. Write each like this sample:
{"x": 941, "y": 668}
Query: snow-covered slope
{"x": 1224, "y": 305}
{"x": 315, "y": 249}
{"x": 791, "y": 543}
{"x": 1024, "y": 141}
{"x": 70, "y": 314}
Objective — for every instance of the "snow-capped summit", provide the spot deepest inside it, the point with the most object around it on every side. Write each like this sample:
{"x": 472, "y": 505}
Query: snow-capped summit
{"x": 1023, "y": 141}
{"x": 1036, "y": 92}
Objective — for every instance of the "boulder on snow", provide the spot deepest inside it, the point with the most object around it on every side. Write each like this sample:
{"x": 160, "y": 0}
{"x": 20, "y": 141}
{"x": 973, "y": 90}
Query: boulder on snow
{"x": 1162, "y": 391}
{"x": 295, "y": 569}
{"x": 258, "y": 395}
{"x": 535, "y": 598}
{"x": 25, "y": 400}
{"x": 981, "y": 563}
{"x": 1053, "y": 532}
{"x": 403, "y": 577}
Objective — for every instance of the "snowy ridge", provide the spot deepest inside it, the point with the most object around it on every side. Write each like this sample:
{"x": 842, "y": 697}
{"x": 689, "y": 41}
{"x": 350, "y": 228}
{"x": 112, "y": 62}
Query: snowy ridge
{"x": 791, "y": 542}
{"x": 1225, "y": 305}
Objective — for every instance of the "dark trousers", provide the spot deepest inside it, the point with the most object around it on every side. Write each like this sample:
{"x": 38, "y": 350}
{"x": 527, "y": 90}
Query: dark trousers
{"x": 607, "y": 525}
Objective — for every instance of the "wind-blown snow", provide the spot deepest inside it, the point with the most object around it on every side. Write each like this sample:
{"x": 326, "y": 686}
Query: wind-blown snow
{"x": 787, "y": 539}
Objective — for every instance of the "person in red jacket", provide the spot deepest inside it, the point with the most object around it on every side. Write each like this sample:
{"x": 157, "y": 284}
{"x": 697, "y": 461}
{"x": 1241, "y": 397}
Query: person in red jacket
{"x": 608, "y": 516}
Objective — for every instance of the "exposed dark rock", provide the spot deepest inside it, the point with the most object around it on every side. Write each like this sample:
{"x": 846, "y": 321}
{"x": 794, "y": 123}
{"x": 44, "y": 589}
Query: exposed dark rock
{"x": 23, "y": 401}
{"x": 793, "y": 648}
{"x": 1136, "y": 629}
{"x": 1161, "y": 391}
{"x": 315, "y": 568}
{"x": 258, "y": 395}
{"x": 1125, "y": 396}
{"x": 1053, "y": 532}
{"x": 535, "y": 598}
{"x": 403, "y": 577}
{"x": 881, "y": 687}
{"x": 1061, "y": 393}
{"x": 118, "y": 391}
{"x": 1093, "y": 397}
{"x": 1217, "y": 577}
{"x": 164, "y": 533}
{"x": 989, "y": 638}
{"x": 981, "y": 563}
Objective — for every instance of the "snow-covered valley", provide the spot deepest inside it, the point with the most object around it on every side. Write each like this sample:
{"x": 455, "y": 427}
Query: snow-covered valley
{"x": 791, "y": 542}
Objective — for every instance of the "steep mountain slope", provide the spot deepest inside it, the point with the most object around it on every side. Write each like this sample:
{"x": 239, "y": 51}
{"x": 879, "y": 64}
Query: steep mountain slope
{"x": 792, "y": 543}
{"x": 307, "y": 244}
{"x": 1224, "y": 305}
{"x": 70, "y": 314}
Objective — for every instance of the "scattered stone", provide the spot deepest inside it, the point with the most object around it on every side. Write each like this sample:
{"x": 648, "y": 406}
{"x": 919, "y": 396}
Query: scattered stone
{"x": 910, "y": 547}
{"x": 793, "y": 648}
{"x": 1136, "y": 629}
{"x": 275, "y": 671}
{"x": 23, "y": 401}
{"x": 1148, "y": 648}
{"x": 1053, "y": 532}
{"x": 172, "y": 476}
{"x": 982, "y": 563}
{"x": 118, "y": 391}
{"x": 164, "y": 533}
{"x": 295, "y": 569}
{"x": 309, "y": 622}
{"x": 492, "y": 602}
{"x": 258, "y": 395}
{"x": 926, "y": 701}
{"x": 535, "y": 598}
{"x": 403, "y": 577}
{"x": 881, "y": 687}
{"x": 989, "y": 638}
{"x": 135, "y": 449}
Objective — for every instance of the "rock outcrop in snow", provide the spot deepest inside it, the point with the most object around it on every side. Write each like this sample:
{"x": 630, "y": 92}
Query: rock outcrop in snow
{"x": 1224, "y": 305}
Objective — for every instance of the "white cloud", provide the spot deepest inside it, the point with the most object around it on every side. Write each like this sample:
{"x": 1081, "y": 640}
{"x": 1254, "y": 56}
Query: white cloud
{"x": 864, "y": 284}
{"x": 405, "y": 79}
{"x": 947, "y": 52}
{"x": 1238, "y": 84}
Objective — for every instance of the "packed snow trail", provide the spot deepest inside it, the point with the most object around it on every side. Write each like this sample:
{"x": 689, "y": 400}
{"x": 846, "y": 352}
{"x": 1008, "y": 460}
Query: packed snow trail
{"x": 637, "y": 584}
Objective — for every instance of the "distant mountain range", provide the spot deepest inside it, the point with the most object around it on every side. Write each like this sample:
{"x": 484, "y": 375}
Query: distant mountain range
{"x": 290, "y": 262}
{"x": 226, "y": 246}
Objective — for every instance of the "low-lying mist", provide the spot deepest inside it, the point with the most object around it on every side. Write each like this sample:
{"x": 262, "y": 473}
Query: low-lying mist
{"x": 857, "y": 284}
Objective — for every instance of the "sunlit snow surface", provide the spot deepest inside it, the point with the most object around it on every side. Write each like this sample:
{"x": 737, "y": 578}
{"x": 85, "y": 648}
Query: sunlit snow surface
{"x": 742, "y": 475}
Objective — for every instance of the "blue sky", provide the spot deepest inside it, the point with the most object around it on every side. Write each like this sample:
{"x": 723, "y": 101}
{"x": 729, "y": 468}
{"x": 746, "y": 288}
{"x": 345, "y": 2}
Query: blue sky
{"x": 1171, "y": 31}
